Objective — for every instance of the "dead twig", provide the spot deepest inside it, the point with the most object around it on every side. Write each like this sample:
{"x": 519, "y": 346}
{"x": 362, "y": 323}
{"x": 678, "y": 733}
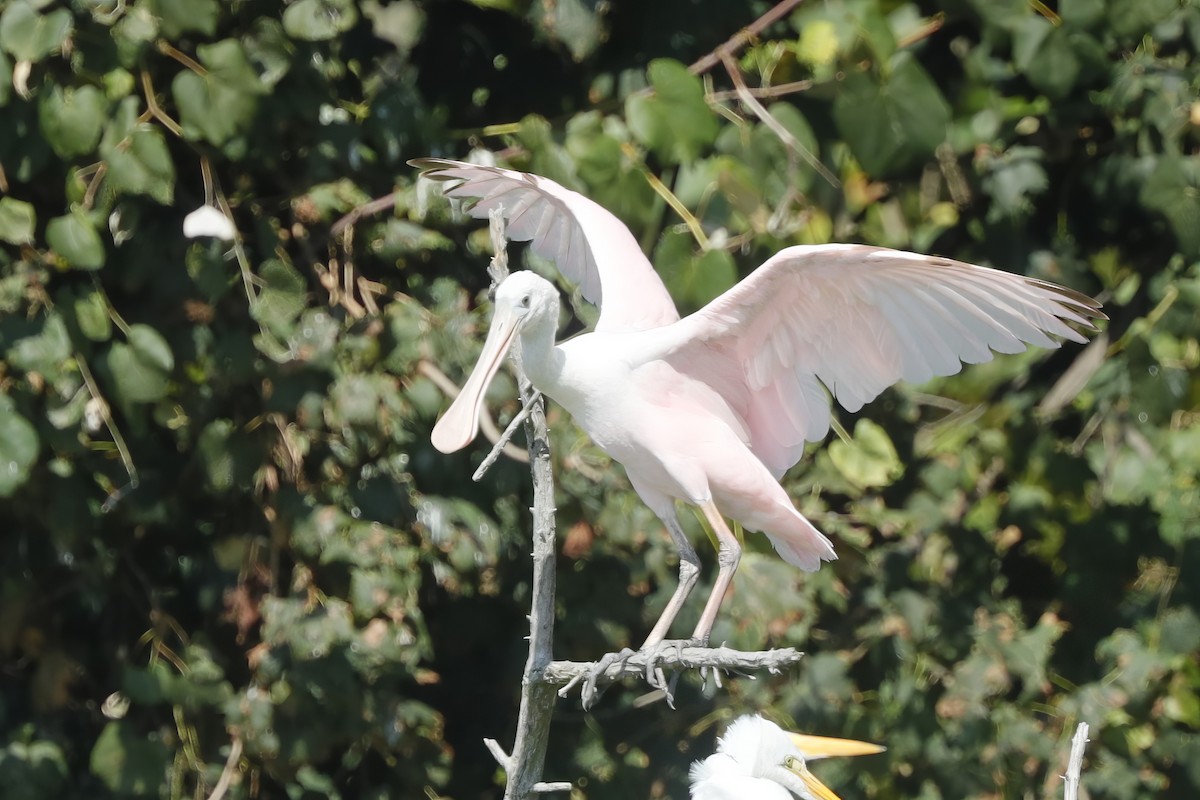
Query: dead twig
{"x": 743, "y": 37}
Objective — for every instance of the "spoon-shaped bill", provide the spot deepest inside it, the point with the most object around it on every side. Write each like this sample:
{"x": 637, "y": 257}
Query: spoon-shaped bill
{"x": 460, "y": 424}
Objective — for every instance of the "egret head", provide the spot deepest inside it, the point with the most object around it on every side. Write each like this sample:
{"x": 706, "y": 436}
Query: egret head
{"x": 524, "y": 302}
{"x": 755, "y": 753}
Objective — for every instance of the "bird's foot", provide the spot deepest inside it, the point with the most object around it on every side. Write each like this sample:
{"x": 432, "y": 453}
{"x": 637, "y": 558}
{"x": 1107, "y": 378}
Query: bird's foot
{"x": 654, "y": 653}
{"x": 587, "y": 694}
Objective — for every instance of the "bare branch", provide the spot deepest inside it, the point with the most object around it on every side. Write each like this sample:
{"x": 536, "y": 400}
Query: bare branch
{"x": 524, "y": 766}
{"x": 1075, "y": 763}
{"x": 568, "y": 673}
{"x": 223, "y": 783}
{"x": 497, "y": 752}
{"x": 501, "y": 444}
{"x": 556, "y": 786}
{"x": 744, "y": 36}
{"x": 777, "y": 127}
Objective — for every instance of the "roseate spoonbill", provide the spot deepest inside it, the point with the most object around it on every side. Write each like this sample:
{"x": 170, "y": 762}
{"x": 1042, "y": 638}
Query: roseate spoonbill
{"x": 757, "y": 759}
{"x": 712, "y": 409}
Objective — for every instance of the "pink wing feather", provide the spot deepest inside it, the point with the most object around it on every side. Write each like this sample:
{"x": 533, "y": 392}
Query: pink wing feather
{"x": 590, "y": 246}
{"x": 856, "y": 319}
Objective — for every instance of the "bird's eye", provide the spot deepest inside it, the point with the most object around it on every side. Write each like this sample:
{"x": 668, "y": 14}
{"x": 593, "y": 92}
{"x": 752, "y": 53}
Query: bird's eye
{"x": 525, "y": 301}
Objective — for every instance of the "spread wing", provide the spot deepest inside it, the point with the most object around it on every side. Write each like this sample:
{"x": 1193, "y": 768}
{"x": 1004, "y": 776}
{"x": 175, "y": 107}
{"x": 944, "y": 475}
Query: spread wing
{"x": 854, "y": 320}
{"x": 589, "y": 245}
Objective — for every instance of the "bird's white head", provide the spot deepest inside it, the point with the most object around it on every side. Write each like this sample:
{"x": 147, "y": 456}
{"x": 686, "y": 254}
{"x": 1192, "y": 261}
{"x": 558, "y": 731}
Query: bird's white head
{"x": 525, "y": 303}
{"x": 755, "y": 753}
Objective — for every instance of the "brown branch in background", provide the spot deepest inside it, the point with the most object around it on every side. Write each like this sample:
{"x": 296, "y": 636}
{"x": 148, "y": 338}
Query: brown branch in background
{"x": 156, "y": 111}
{"x": 744, "y": 36}
{"x": 931, "y": 27}
{"x": 369, "y": 209}
{"x": 777, "y": 127}
{"x": 768, "y": 92}
{"x": 167, "y": 49}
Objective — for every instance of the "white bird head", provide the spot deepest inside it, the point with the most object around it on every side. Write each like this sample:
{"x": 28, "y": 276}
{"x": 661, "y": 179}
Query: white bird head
{"x": 756, "y": 759}
{"x": 524, "y": 301}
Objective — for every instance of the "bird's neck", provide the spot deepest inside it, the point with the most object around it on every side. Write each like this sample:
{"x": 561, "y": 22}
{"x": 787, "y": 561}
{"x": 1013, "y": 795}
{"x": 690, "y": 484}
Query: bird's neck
{"x": 539, "y": 356}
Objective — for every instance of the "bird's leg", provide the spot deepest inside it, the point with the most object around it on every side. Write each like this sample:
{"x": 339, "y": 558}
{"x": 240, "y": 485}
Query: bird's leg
{"x": 689, "y": 573}
{"x": 729, "y": 553}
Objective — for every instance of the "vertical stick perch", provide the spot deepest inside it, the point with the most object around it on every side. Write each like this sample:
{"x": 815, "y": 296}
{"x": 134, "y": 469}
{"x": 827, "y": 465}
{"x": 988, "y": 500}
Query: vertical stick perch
{"x": 1075, "y": 762}
{"x": 524, "y": 766}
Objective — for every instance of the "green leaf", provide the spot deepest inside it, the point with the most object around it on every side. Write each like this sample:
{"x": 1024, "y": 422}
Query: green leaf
{"x": 75, "y": 239}
{"x": 1082, "y": 13}
{"x": 151, "y": 347}
{"x": 141, "y": 369}
{"x": 129, "y": 763}
{"x": 30, "y": 35}
{"x": 869, "y": 459}
{"x": 18, "y": 447}
{"x": 675, "y": 121}
{"x": 1173, "y": 190}
{"x": 1044, "y": 53}
{"x": 282, "y": 298}
{"x": 45, "y": 351}
{"x": 319, "y": 20}
{"x": 895, "y": 122}
{"x": 72, "y": 119}
{"x": 400, "y": 23}
{"x": 1012, "y": 179}
{"x": 17, "y": 219}
{"x": 575, "y": 23}
{"x": 226, "y": 456}
{"x": 180, "y": 16}
{"x": 91, "y": 315}
{"x": 137, "y": 156}
{"x": 693, "y": 279}
{"x": 220, "y": 104}
{"x": 6, "y": 77}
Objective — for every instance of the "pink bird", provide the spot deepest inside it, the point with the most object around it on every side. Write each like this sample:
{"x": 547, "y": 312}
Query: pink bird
{"x": 713, "y": 408}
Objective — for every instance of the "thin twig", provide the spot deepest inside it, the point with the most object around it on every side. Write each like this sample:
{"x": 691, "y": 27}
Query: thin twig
{"x": 113, "y": 431}
{"x": 368, "y": 209}
{"x": 663, "y": 191}
{"x": 781, "y": 90}
{"x": 497, "y": 752}
{"x": 744, "y": 36}
{"x": 1075, "y": 762}
{"x": 777, "y": 127}
{"x": 235, "y": 755}
{"x": 155, "y": 110}
{"x": 167, "y": 49}
{"x": 502, "y": 442}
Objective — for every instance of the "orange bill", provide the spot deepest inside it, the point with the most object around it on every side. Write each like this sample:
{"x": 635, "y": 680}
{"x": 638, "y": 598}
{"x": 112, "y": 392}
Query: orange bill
{"x": 814, "y": 786}
{"x": 823, "y": 746}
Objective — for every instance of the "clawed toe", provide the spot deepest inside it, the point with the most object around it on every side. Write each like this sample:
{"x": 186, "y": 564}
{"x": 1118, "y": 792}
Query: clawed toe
{"x": 587, "y": 694}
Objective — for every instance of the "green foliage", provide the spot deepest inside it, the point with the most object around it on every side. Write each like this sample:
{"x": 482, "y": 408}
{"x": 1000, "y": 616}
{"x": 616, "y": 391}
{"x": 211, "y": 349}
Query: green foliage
{"x": 224, "y": 528}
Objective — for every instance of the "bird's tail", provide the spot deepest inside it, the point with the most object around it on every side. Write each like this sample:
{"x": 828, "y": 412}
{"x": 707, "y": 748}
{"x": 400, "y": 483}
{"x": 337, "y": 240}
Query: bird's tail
{"x": 796, "y": 540}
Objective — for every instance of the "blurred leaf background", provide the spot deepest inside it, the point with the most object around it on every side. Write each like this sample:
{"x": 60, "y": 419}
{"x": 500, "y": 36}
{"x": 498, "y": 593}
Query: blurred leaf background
{"x": 227, "y": 548}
